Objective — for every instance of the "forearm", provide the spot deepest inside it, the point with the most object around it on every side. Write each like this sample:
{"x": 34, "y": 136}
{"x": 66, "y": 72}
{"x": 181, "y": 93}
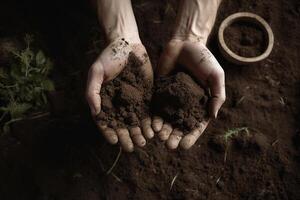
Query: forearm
{"x": 117, "y": 19}
{"x": 195, "y": 19}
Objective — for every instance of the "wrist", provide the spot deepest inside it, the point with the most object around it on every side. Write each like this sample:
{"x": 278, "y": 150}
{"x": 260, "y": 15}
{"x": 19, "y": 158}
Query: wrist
{"x": 190, "y": 37}
{"x": 130, "y": 37}
{"x": 195, "y": 20}
{"x": 118, "y": 20}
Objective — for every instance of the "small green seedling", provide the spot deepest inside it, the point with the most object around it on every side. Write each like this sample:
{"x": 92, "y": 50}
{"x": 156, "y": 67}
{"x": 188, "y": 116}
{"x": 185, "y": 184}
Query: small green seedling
{"x": 24, "y": 84}
{"x": 235, "y": 131}
{"x": 230, "y": 133}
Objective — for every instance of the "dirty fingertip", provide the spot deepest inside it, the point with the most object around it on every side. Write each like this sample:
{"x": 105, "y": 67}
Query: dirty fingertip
{"x": 174, "y": 139}
{"x": 137, "y": 137}
{"x": 147, "y": 129}
{"x": 110, "y": 135}
{"x": 165, "y": 132}
{"x": 187, "y": 142}
{"x": 157, "y": 123}
{"x": 125, "y": 140}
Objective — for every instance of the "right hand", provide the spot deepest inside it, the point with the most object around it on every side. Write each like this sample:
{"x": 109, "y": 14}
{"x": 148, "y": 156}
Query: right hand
{"x": 107, "y": 66}
{"x": 199, "y": 61}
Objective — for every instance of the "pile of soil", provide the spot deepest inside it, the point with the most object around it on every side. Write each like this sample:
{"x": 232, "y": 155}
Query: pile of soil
{"x": 125, "y": 100}
{"x": 179, "y": 100}
{"x": 245, "y": 39}
{"x": 69, "y": 159}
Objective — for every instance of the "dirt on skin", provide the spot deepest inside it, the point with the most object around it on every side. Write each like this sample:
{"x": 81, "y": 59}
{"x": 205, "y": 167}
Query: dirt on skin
{"x": 64, "y": 157}
{"x": 126, "y": 99}
{"x": 245, "y": 39}
{"x": 179, "y": 100}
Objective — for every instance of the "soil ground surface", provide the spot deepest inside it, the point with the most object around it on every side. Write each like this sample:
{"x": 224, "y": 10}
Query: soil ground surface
{"x": 250, "y": 152}
{"x": 245, "y": 39}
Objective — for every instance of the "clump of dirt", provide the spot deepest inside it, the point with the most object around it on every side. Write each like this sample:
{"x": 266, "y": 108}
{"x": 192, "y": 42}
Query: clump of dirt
{"x": 245, "y": 39}
{"x": 125, "y": 100}
{"x": 179, "y": 100}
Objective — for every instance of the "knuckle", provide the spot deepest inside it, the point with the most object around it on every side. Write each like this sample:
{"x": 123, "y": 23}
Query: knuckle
{"x": 220, "y": 72}
{"x": 96, "y": 67}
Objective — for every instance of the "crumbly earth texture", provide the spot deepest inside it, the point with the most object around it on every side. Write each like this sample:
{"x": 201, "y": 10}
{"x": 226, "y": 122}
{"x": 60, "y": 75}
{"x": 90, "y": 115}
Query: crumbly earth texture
{"x": 245, "y": 39}
{"x": 179, "y": 100}
{"x": 64, "y": 157}
{"x": 125, "y": 100}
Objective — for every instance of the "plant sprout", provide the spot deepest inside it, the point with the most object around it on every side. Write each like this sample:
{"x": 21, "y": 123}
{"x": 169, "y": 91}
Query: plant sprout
{"x": 235, "y": 131}
{"x": 24, "y": 84}
{"x": 231, "y": 133}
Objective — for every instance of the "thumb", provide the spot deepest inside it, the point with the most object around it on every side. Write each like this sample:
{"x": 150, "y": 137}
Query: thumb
{"x": 94, "y": 82}
{"x": 217, "y": 88}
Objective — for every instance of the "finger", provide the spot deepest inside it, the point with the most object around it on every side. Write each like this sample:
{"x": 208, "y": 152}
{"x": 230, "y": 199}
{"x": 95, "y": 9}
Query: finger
{"x": 190, "y": 139}
{"x": 147, "y": 129}
{"x": 157, "y": 123}
{"x": 174, "y": 139}
{"x": 137, "y": 137}
{"x": 94, "y": 82}
{"x": 109, "y": 134}
{"x": 125, "y": 140}
{"x": 165, "y": 132}
{"x": 217, "y": 88}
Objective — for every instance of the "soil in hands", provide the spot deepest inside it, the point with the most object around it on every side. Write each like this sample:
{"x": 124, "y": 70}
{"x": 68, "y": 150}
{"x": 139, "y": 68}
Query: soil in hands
{"x": 245, "y": 39}
{"x": 179, "y": 100}
{"x": 125, "y": 100}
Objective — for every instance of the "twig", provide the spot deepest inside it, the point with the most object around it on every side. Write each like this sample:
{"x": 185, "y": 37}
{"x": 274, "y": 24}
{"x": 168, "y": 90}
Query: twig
{"x": 142, "y": 151}
{"x": 240, "y": 100}
{"x": 275, "y": 142}
{"x": 115, "y": 162}
{"x": 40, "y": 115}
{"x": 173, "y": 181}
{"x": 117, "y": 178}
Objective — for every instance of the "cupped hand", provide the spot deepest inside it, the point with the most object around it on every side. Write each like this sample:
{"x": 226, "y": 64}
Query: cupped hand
{"x": 202, "y": 64}
{"x": 107, "y": 66}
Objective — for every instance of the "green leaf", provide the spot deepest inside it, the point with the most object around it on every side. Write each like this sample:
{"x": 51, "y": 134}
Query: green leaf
{"x": 40, "y": 58}
{"x": 24, "y": 84}
{"x": 27, "y": 56}
{"x": 47, "y": 67}
{"x": 18, "y": 109}
{"x": 48, "y": 85}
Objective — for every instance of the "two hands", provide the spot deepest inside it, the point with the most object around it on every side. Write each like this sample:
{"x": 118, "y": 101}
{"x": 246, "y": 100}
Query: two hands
{"x": 187, "y": 47}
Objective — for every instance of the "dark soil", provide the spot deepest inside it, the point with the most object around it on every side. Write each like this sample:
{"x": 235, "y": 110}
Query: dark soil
{"x": 63, "y": 156}
{"x": 245, "y": 39}
{"x": 126, "y": 99}
{"x": 179, "y": 100}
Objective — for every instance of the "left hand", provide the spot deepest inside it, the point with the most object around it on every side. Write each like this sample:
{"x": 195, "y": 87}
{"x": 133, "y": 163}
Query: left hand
{"x": 202, "y": 64}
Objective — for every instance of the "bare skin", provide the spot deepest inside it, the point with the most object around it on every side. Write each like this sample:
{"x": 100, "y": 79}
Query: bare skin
{"x": 121, "y": 30}
{"x": 188, "y": 47}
